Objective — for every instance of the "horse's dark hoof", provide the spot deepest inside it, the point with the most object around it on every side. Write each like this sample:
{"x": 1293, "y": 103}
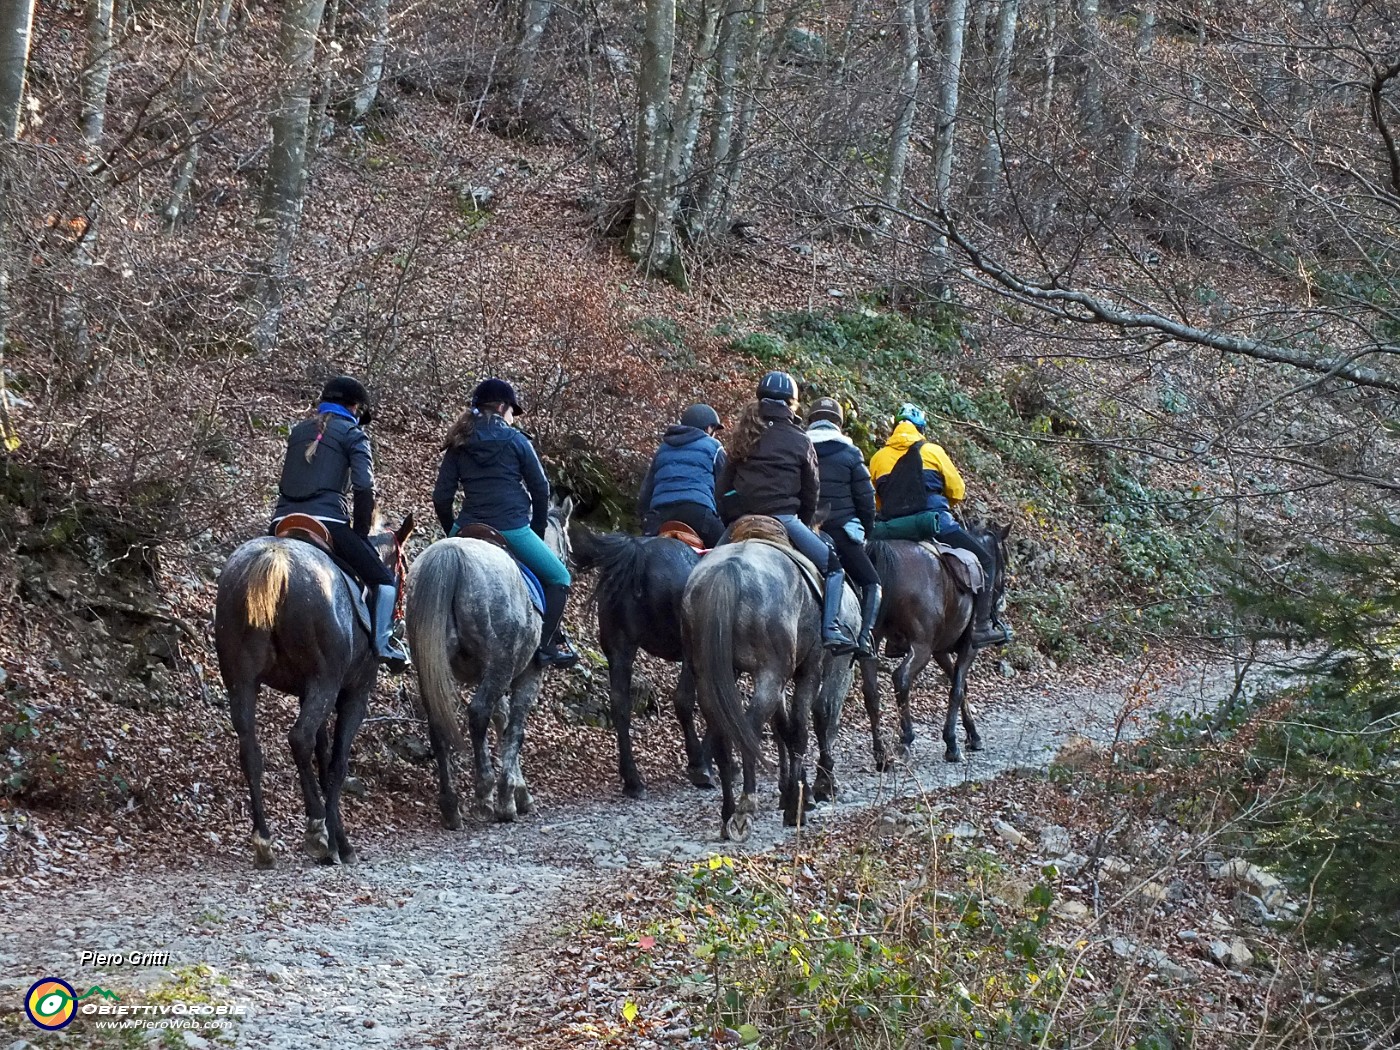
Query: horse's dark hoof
{"x": 824, "y": 788}
{"x": 702, "y": 777}
{"x": 349, "y": 856}
{"x": 737, "y": 828}
{"x": 908, "y": 739}
{"x": 952, "y": 755}
{"x": 451, "y": 815}
{"x": 974, "y": 743}
{"x": 635, "y": 789}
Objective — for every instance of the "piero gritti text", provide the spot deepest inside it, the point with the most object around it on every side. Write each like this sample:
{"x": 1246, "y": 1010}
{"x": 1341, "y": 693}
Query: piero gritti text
{"x": 90, "y": 958}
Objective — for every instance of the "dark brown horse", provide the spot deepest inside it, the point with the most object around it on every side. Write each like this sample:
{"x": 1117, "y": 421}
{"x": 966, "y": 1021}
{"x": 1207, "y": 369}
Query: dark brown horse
{"x": 925, "y": 613}
{"x": 284, "y": 618}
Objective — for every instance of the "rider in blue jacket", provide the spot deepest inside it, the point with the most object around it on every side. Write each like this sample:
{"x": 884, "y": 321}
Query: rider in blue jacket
{"x": 328, "y": 473}
{"x": 680, "y": 483}
{"x": 503, "y": 485}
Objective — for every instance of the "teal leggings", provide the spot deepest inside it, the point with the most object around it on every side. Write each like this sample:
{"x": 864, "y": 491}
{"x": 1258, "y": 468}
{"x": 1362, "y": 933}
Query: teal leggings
{"x": 537, "y": 556}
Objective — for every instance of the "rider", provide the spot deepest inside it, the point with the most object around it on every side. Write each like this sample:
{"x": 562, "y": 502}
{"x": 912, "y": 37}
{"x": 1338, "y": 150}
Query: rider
{"x": 916, "y": 491}
{"x": 503, "y": 485}
{"x": 328, "y": 473}
{"x": 772, "y": 469}
{"x": 848, "y": 499}
{"x": 680, "y": 484}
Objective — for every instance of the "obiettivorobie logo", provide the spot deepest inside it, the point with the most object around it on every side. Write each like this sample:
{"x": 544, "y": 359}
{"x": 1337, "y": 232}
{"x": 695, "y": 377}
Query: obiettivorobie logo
{"x": 52, "y": 1004}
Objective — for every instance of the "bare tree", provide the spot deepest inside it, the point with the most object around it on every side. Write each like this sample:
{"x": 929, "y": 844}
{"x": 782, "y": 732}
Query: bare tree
{"x": 990, "y": 167}
{"x": 373, "y": 69}
{"x": 954, "y": 32}
{"x": 1088, "y": 43}
{"x": 906, "y": 99}
{"x": 535, "y": 15}
{"x": 97, "y": 71}
{"x": 16, "y": 18}
{"x": 285, "y": 182}
{"x": 209, "y": 40}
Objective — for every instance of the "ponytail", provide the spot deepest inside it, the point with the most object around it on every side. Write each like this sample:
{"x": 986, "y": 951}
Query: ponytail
{"x": 322, "y": 421}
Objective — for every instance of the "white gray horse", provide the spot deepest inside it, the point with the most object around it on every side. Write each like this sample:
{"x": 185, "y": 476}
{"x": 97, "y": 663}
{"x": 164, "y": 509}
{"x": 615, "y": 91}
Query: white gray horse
{"x": 471, "y": 623}
{"x": 747, "y": 608}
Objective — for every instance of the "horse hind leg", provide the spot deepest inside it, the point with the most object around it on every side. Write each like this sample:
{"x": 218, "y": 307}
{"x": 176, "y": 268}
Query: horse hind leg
{"x": 350, "y": 713}
{"x": 919, "y": 655}
{"x": 699, "y": 763}
{"x": 512, "y": 792}
{"x": 870, "y": 692}
{"x": 733, "y": 825}
{"x": 620, "y": 696}
{"x": 316, "y": 706}
{"x": 480, "y": 714}
{"x": 959, "y": 699}
{"x": 242, "y": 702}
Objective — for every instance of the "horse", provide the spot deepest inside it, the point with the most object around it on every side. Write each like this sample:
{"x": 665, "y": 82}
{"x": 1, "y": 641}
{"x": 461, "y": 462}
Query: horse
{"x": 471, "y": 623}
{"x": 924, "y": 611}
{"x": 747, "y": 607}
{"x": 640, "y": 582}
{"x": 284, "y": 618}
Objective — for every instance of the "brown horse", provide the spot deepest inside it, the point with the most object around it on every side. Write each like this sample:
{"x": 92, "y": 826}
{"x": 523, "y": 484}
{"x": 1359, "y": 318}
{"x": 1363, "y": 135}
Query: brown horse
{"x": 284, "y": 618}
{"x": 927, "y": 614}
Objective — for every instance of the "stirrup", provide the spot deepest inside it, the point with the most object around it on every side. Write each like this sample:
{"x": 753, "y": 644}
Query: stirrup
{"x": 984, "y": 637}
{"x": 838, "y": 643}
{"x": 556, "y": 656}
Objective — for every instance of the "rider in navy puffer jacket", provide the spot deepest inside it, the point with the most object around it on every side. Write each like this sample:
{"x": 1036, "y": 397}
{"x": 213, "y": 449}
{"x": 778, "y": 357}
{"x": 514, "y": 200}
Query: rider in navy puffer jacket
{"x": 680, "y": 484}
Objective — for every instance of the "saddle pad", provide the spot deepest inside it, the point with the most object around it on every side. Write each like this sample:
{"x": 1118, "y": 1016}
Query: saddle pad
{"x": 357, "y": 600}
{"x": 487, "y": 534}
{"x": 533, "y": 585}
{"x": 962, "y": 565}
{"x": 803, "y": 563}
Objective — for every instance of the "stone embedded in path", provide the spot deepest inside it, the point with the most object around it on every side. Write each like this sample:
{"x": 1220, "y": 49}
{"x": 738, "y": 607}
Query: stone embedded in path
{"x": 1055, "y": 840}
{"x": 1008, "y": 834}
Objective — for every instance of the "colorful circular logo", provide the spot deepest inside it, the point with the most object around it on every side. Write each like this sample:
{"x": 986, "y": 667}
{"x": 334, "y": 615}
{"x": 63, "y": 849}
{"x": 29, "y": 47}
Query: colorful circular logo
{"x": 51, "y": 1003}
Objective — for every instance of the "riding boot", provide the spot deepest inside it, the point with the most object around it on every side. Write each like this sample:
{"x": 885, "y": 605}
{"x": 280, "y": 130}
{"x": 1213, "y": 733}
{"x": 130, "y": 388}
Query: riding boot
{"x": 386, "y": 595}
{"x": 834, "y": 636}
{"x": 554, "y": 650}
{"x": 869, "y": 610}
{"x": 984, "y": 631}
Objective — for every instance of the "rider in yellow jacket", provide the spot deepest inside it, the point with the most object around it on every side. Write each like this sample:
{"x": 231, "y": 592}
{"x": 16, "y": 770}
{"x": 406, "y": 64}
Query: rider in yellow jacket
{"x": 919, "y": 507}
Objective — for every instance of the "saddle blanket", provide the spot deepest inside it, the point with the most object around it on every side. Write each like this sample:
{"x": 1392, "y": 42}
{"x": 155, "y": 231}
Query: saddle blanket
{"x": 803, "y": 563}
{"x": 357, "y": 600}
{"x": 533, "y": 585}
{"x": 966, "y": 570}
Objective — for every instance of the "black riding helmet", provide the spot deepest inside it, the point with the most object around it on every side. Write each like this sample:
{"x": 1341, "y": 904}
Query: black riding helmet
{"x": 493, "y": 391}
{"x": 779, "y": 386}
{"x": 346, "y": 391}
{"x": 827, "y": 408}
{"x": 701, "y": 417}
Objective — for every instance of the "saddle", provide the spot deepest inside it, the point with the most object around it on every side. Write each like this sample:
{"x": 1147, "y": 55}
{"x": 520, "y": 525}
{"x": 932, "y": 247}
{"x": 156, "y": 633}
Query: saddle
{"x": 487, "y": 534}
{"x": 761, "y": 528}
{"x": 679, "y": 530}
{"x": 306, "y": 528}
{"x": 961, "y": 565}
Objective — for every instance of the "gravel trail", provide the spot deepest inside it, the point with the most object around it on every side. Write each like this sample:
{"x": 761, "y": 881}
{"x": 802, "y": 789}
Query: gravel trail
{"x": 404, "y": 948}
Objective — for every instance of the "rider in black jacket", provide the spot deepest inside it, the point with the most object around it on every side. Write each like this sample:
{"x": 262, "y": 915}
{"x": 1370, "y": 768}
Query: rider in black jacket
{"x": 328, "y": 473}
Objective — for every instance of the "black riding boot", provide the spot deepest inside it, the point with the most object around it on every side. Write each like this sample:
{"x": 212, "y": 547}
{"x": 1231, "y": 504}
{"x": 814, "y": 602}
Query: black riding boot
{"x": 386, "y": 595}
{"x": 554, "y": 650}
{"x": 985, "y": 631}
{"x": 834, "y": 636}
{"x": 869, "y": 610}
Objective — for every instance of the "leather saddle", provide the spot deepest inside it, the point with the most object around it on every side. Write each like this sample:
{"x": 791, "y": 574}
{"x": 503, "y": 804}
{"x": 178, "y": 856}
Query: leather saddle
{"x": 306, "y": 528}
{"x": 484, "y": 532}
{"x": 961, "y": 565}
{"x": 487, "y": 534}
{"x": 764, "y": 529}
{"x": 679, "y": 530}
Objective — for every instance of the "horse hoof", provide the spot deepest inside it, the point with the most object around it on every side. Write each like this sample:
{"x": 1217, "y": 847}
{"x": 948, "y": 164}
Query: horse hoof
{"x": 901, "y": 753}
{"x": 952, "y": 755}
{"x": 262, "y": 853}
{"x": 636, "y": 789}
{"x": 824, "y": 790}
{"x": 702, "y": 777}
{"x": 316, "y": 843}
{"x": 484, "y": 810}
{"x": 348, "y": 855}
{"x": 452, "y": 821}
{"x": 524, "y": 804}
{"x": 882, "y": 762}
{"x": 748, "y": 805}
{"x": 974, "y": 743}
{"x": 739, "y": 827}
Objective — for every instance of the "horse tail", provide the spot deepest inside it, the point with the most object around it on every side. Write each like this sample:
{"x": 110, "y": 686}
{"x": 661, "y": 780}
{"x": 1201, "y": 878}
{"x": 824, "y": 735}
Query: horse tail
{"x": 431, "y": 623}
{"x": 882, "y": 557}
{"x": 717, "y": 687}
{"x": 266, "y": 585}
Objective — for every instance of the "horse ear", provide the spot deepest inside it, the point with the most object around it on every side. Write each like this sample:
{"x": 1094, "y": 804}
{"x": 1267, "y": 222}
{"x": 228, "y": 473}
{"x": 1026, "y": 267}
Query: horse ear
{"x": 405, "y": 529}
{"x": 566, "y": 507}
{"x": 1002, "y": 531}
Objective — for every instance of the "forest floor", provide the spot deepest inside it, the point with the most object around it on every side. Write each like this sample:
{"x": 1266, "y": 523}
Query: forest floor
{"x": 435, "y": 937}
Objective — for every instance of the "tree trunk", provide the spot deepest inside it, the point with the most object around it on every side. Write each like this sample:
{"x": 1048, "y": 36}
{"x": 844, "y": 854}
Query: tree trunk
{"x": 208, "y": 43}
{"x": 653, "y": 123}
{"x": 1049, "y": 17}
{"x": 905, "y": 105}
{"x": 98, "y": 70}
{"x": 285, "y": 184}
{"x": 1086, "y": 35}
{"x": 16, "y": 17}
{"x": 721, "y": 137}
{"x": 373, "y": 70}
{"x": 990, "y": 169}
{"x": 535, "y": 20}
{"x": 1130, "y": 143}
{"x": 954, "y": 32}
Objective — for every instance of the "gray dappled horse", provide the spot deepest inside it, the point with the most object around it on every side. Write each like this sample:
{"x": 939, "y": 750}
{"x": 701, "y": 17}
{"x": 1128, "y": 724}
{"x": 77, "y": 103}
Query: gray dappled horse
{"x": 747, "y": 608}
{"x": 284, "y": 618}
{"x": 925, "y": 612}
{"x": 640, "y": 583}
{"x": 471, "y": 623}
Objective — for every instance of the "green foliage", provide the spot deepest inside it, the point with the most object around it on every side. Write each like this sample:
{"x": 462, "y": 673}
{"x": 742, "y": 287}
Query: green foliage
{"x": 1338, "y": 751}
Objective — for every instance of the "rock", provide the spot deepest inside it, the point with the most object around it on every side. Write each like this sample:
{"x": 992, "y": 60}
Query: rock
{"x": 1054, "y": 840}
{"x": 802, "y": 46}
{"x": 1162, "y": 963}
{"x": 1123, "y": 948}
{"x": 1071, "y": 910}
{"x": 1187, "y": 935}
{"x": 1005, "y": 669}
{"x": 411, "y": 749}
{"x": 619, "y": 61}
{"x": 1070, "y": 863}
{"x": 4, "y": 677}
{"x": 1267, "y": 886}
{"x": 1154, "y": 892}
{"x": 965, "y": 832}
{"x": 194, "y": 1042}
{"x": 1249, "y": 908}
{"x": 1233, "y": 953}
{"x": 355, "y": 786}
{"x": 1115, "y": 866}
{"x": 1008, "y": 834}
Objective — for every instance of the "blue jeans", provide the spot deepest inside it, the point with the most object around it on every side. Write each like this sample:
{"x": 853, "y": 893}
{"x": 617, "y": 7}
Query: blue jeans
{"x": 809, "y": 543}
{"x": 537, "y": 556}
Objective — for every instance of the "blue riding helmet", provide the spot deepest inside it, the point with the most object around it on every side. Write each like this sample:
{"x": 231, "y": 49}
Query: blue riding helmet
{"x": 913, "y": 414}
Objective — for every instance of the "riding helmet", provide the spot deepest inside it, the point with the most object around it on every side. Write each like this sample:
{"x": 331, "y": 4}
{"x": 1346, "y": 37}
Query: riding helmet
{"x": 827, "y": 408}
{"x": 493, "y": 391}
{"x": 701, "y": 417}
{"x": 779, "y": 386}
{"x": 343, "y": 390}
{"x": 913, "y": 414}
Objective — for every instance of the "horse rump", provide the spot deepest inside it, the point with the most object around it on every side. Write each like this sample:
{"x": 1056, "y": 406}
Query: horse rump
{"x": 432, "y": 594}
{"x": 265, "y": 582}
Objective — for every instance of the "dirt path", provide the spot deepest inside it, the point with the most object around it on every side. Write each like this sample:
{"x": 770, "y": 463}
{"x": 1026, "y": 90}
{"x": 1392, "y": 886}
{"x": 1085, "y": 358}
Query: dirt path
{"x": 399, "y": 949}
